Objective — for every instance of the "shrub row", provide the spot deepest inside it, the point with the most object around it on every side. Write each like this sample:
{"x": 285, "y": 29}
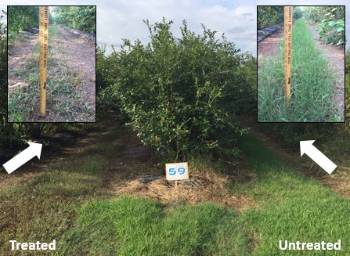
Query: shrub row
{"x": 181, "y": 95}
{"x": 331, "y": 22}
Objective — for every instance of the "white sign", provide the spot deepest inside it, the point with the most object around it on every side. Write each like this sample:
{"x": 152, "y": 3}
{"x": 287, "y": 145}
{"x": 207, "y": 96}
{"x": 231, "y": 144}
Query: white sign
{"x": 176, "y": 171}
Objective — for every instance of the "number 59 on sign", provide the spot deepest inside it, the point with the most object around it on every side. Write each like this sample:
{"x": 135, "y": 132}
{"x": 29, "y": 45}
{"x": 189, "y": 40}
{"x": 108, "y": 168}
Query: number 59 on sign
{"x": 176, "y": 171}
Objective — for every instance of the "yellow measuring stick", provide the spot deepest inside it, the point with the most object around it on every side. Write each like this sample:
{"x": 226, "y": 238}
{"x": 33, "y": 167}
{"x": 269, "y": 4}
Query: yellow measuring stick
{"x": 288, "y": 25}
{"x": 43, "y": 43}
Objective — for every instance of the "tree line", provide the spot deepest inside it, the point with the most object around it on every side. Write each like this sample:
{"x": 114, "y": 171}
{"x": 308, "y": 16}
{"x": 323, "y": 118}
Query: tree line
{"x": 22, "y": 17}
{"x": 330, "y": 21}
{"x": 273, "y": 15}
{"x": 76, "y": 17}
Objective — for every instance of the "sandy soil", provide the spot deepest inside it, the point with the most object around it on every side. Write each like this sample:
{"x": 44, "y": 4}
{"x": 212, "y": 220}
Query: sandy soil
{"x": 80, "y": 52}
{"x": 72, "y": 51}
{"x": 335, "y": 57}
{"x": 134, "y": 169}
{"x": 19, "y": 54}
{"x": 270, "y": 45}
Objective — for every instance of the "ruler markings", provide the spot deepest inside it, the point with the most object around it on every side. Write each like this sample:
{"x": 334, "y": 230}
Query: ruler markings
{"x": 43, "y": 43}
{"x": 288, "y": 26}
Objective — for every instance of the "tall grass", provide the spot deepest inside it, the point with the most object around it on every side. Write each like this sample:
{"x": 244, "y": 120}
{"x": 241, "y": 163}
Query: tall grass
{"x": 313, "y": 84}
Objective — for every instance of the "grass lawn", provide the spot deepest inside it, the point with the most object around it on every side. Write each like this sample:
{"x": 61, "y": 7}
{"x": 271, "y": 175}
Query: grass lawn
{"x": 134, "y": 226}
{"x": 313, "y": 84}
{"x": 291, "y": 206}
{"x": 70, "y": 202}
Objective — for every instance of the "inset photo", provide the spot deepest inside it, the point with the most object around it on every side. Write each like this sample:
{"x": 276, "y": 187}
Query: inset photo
{"x": 301, "y": 51}
{"x": 51, "y": 63}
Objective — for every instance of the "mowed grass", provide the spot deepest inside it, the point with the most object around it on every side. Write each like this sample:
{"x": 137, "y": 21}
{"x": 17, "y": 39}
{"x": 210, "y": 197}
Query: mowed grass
{"x": 70, "y": 202}
{"x": 43, "y": 208}
{"x": 313, "y": 85}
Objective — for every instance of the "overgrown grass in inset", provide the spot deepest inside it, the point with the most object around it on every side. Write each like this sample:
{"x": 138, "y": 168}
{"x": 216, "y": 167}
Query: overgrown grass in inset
{"x": 313, "y": 84}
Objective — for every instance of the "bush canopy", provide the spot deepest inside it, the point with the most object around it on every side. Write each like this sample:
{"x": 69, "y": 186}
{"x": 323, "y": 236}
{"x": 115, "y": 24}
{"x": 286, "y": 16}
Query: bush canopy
{"x": 182, "y": 94}
{"x": 76, "y": 17}
{"x": 22, "y": 17}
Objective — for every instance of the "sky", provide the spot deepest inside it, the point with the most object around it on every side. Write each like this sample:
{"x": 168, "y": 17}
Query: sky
{"x": 118, "y": 19}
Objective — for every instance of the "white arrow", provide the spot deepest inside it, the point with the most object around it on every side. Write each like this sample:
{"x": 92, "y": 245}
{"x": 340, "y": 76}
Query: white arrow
{"x": 33, "y": 150}
{"x": 307, "y": 147}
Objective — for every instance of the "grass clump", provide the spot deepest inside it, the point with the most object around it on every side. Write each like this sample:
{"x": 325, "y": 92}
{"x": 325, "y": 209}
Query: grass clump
{"x": 313, "y": 85}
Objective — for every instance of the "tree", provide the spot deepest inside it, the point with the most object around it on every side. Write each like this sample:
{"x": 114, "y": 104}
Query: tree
{"x": 3, "y": 71}
{"x": 181, "y": 94}
{"x": 269, "y": 15}
{"x": 331, "y": 22}
{"x": 22, "y": 17}
{"x": 77, "y": 17}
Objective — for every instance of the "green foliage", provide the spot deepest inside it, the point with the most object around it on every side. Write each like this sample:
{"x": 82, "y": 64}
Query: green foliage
{"x": 297, "y": 13}
{"x": 182, "y": 94}
{"x": 331, "y": 23}
{"x": 332, "y": 31}
{"x": 289, "y": 204}
{"x": 347, "y": 91}
{"x": 7, "y": 131}
{"x": 106, "y": 72}
{"x": 136, "y": 226}
{"x": 77, "y": 17}
{"x": 312, "y": 84}
{"x": 269, "y": 15}
{"x": 318, "y": 13}
{"x": 22, "y": 17}
{"x": 3, "y": 59}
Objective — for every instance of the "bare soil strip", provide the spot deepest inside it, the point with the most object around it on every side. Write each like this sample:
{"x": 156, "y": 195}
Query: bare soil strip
{"x": 134, "y": 169}
{"x": 80, "y": 55}
{"x": 19, "y": 54}
{"x": 71, "y": 76}
{"x": 335, "y": 57}
{"x": 270, "y": 45}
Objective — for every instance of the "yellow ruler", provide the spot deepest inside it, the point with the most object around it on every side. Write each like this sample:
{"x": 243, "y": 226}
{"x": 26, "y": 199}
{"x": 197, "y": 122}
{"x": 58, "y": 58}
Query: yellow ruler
{"x": 43, "y": 42}
{"x": 288, "y": 26}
